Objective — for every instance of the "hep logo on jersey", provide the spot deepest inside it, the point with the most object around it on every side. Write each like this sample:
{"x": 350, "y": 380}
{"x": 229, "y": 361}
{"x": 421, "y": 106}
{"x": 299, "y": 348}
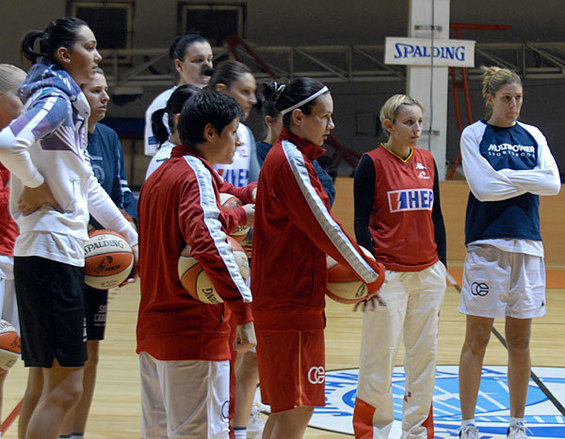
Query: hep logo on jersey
{"x": 410, "y": 199}
{"x": 236, "y": 177}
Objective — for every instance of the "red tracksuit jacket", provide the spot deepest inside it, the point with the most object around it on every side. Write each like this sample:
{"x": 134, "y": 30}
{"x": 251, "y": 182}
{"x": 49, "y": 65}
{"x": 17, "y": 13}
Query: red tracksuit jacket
{"x": 179, "y": 205}
{"x": 293, "y": 232}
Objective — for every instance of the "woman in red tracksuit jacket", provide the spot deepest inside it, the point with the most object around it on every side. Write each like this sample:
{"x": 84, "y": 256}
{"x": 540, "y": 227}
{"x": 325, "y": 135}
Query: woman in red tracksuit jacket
{"x": 183, "y": 343}
{"x": 293, "y": 233}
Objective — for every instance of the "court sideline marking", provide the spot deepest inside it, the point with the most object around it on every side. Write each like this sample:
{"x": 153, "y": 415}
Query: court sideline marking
{"x": 534, "y": 377}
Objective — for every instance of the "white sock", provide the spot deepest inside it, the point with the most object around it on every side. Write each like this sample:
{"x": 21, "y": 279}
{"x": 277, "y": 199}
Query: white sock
{"x": 465, "y": 422}
{"x": 514, "y": 421}
{"x": 240, "y": 432}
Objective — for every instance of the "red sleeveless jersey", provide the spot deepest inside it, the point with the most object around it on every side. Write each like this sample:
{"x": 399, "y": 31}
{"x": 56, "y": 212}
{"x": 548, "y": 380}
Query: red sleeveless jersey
{"x": 401, "y": 223}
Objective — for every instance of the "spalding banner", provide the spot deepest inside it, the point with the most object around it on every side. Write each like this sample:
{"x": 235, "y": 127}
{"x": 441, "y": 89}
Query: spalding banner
{"x": 419, "y": 52}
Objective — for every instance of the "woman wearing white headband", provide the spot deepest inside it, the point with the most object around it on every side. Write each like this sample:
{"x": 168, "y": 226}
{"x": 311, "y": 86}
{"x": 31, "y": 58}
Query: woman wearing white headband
{"x": 294, "y": 232}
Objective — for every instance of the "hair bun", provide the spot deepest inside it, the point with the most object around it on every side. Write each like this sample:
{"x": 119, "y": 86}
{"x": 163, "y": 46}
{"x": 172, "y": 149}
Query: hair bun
{"x": 279, "y": 88}
{"x": 273, "y": 90}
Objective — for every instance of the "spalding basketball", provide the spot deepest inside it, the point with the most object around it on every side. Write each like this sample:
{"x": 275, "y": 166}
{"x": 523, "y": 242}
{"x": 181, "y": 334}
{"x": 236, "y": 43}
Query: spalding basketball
{"x": 9, "y": 345}
{"x": 231, "y": 202}
{"x": 343, "y": 285}
{"x": 108, "y": 259}
{"x": 195, "y": 280}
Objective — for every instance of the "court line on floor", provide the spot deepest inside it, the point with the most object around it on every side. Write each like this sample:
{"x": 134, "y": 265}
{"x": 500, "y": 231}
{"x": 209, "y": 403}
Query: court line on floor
{"x": 16, "y": 411}
{"x": 11, "y": 417}
{"x": 534, "y": 377}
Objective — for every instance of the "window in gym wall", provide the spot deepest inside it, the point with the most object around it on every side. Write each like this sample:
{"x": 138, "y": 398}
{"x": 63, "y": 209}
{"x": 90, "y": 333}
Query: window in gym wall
{"x": 111, "y": 21}
{"x": 215, "y": 21}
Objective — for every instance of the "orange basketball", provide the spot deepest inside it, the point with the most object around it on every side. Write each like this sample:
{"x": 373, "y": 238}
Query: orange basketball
{"x": 195, "y": 280}
{"x": 9, "y": 345}
{"x": 343, "y": 286}
{"x": 128, "y": 217}
{"x": 231, "y": 202}
{"x": 108, "y": 259}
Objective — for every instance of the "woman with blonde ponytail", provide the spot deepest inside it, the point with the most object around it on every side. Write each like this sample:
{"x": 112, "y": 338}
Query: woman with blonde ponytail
{"x": 508, "y": 165}
{"x": 11, "y": 77}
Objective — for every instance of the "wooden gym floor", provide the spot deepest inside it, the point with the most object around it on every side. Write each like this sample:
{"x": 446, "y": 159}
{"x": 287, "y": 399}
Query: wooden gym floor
{"x": 116, "y": 410}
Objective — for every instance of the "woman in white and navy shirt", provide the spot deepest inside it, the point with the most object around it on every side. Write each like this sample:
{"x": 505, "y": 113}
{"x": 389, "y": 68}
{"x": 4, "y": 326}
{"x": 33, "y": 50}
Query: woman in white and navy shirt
{"x": 507, "y": 164}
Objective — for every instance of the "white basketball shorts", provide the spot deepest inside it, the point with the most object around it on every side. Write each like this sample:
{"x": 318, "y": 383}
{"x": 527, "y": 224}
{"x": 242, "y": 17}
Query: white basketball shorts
{"x": 499, "y": 284}
{"x": 184, "y": 399}
{"x": 8, "y": 305}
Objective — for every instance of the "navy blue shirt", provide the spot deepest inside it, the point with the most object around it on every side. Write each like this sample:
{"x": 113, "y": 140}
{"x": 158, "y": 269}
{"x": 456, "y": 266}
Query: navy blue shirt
{"x": 107, "y": 159}
{"x": 515, "y": 218}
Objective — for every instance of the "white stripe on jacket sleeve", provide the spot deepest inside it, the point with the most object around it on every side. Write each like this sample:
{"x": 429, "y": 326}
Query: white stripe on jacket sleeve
{"x": 214, "y": 226}
{"x": 325, "y": 220}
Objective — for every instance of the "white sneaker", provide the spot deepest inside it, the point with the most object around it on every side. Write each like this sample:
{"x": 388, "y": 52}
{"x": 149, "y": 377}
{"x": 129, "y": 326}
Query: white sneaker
{"x": 469, "y": 432}
{"x": 255, "y": 425}
{"x": 517, "y": 431}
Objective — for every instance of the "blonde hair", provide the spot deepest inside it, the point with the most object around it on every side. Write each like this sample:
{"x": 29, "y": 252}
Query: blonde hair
{"x": 391, "y": 108}
{"x": 11, "y": 77}
{"x": 494, "y": 78}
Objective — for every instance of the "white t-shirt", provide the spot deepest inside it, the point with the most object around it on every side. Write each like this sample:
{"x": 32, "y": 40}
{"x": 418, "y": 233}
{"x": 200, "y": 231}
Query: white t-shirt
{"x": 151, "y": 144}
{"x": 241, "y": 172}
{"x": 161, "y": 156}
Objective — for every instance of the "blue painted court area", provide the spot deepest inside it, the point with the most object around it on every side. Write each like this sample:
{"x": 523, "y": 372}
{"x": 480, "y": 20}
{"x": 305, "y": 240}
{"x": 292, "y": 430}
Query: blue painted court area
{"x": 542, "y": 417}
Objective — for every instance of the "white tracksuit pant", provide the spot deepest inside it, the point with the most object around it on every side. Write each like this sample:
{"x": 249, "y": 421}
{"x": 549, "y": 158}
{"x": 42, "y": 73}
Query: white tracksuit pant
{"x": 413, "y": 302}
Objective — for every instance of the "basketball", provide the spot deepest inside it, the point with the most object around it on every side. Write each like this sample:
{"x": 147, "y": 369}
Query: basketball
{"x": 108, "y": 259}
{"x": 9, "y": 345}
{"x": 128, "y": 217}
{"x": 195, "y": 280}
{"x": 343, "y": 286}
{"x": 231, "y": 202}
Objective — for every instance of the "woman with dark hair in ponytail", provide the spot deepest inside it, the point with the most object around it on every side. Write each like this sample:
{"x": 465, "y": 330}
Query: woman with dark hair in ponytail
{"x": 192, "y": 56}
{"x": 273, "y": 120}
{"x": 53, "y": 191}
{"x": 294, "y": 232}
{"x": 167, "y": 136}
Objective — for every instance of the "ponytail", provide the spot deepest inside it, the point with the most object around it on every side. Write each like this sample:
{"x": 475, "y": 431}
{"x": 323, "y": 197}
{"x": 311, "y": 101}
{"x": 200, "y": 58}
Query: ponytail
{"x": 28, "y": 42}
{"x": 174, "y": 106}
{"x": 160, "y": 131}
{"x": 300, "y": 91}
{"x": 62, "y": 32}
